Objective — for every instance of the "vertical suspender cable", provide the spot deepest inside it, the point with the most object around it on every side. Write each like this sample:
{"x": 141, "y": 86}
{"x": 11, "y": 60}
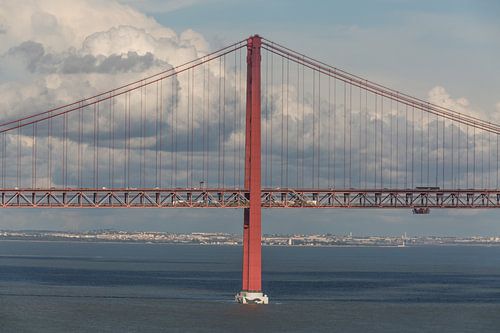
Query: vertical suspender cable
{"x": 191, "y": 148}
{"x": 219, "y": 125}
{"x": 63, "y": 153}
{"x": 18, "y": 155}
{"x": 459, "y": 182}
{"x": 421, "y": 144}
{"x": 481, "y": 145}
{"x": 157, "y": 119}
{"x": 359, "y": 138}
{"x": 489, "y": 159}
{"x": 204, "y": 123}
{"x": 452, "y": 157}
{"x": 224, "y": 122}
{"x": 381, "y": 141}
{"x": 188, "y": 123}
{"x": 79, "y": 159}
{"x": 428, "y": 146}
{"x": 350, "y": 133}
{"x": 207, "y": 177}
{"x": 35, "y": 153}
{"x": 303, "y": 124}
{"x": 287, "y": 121}
{"x": 33, "y": 156}
{"x": 161, "y": 134}
{"x": 66, "y": 154}
{"x": 113, "y": 126}
{"x": 397, "y": 142}
{"x": 314, "y": 129}
{"x": 175, "y": 121}
{"x": 240, "y": 119}
{"x": 282, "y": 120}
{"x": 344, "y": 131}
{"x": 437, "y": 150}
{"x": 235, "y": 117}
{"x": 334, "y": 127}
{"x": 482, "y": 158}
{"x": 141, "y": 124}
{"x": 497, "y": 161}
{"x": 406, "y": 145}
{"x": 188, "y": 128}
{"x": 329, "y": 128}
{"x": 375, "y": 141}
{"x": 442, "y": 151}
{"x": 319, "y": 130}
{"x": 144, "y": 133}
{"x": 412, "y": 147}
{"x": 4, "y": 157}
{"x": 4, "y": 143}
{"x": 366, "y": 138}
{"x": 467, "y": 152}
{"x": 94, "y": 151}
{"x": 271, "y": 123}
{"x": 124, "y": 182}
{"x": 97, "y": 144}
{"x": 390, "y": 143}
{"x": 297, "y": 125}
{"x": 49, "y": 173}
{"x": 128, "y": 138}
{"x": 110, "y": 130}
{"x": 204, "y": 119}
{"x": 265, "y": 157}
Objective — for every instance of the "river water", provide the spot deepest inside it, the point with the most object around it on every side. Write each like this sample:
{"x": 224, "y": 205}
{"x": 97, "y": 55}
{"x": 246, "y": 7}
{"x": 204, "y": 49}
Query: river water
{"x": 118, "y": 287}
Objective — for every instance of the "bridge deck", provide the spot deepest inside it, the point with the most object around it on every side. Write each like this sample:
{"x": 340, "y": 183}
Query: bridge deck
{"x": 237, "y": 198}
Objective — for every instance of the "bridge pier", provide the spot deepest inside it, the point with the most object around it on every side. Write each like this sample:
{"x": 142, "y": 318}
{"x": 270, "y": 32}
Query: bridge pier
{"x": 251, "y": 292}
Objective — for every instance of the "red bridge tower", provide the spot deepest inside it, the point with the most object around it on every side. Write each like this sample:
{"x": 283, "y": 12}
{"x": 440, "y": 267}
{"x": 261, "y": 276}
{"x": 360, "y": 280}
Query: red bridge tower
{"x": 251, "y": 292}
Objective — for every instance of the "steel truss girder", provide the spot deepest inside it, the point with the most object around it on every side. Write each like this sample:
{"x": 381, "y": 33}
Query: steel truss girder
{"x": 375, "y": 198}
{"x": 122, "y": 198}
{"x": 237, "y": 198}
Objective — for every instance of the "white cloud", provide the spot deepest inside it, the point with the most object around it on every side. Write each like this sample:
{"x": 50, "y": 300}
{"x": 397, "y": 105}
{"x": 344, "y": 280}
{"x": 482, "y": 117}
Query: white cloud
{"x": 54, "y": 51}
{"x": 439, "y": 96}
{"x": 124, "y": 39}
{"x": 60, "y": 25}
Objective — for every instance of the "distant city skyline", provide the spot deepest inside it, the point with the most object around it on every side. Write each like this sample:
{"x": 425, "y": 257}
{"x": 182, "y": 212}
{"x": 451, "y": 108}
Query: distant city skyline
{"x": 229, "y": 239}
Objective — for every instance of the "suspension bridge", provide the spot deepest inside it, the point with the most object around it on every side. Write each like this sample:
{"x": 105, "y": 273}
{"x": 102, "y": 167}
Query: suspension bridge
{"x": 253, "y": 125}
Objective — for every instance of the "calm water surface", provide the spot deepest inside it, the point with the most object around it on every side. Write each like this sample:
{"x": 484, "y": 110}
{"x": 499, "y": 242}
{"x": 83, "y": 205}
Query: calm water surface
{"x": 104, "y": 287}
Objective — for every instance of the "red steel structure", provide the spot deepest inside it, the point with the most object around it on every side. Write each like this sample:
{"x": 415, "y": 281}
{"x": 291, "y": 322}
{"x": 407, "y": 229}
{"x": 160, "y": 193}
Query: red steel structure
{"x": 252, "y": 230}
{"x": 231, "y": 198}
{"x": 308, "y": 135}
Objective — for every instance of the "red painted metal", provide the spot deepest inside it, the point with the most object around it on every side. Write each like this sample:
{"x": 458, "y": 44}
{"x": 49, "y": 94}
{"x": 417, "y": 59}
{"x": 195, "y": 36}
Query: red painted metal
{"x": 223, "y": 198}
{"x": 252, "y": 248}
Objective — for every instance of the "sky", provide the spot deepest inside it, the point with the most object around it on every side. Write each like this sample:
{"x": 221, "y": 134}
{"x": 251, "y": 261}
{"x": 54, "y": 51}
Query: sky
{"x": 418, "y": 47}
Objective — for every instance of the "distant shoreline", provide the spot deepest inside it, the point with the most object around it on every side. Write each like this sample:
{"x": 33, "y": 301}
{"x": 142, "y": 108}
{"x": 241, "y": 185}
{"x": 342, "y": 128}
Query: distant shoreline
{"x": 239, "y": 245}
{"x": 228, "y": 239}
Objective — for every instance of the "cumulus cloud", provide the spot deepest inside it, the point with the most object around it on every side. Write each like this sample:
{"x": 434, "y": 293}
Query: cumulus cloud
{"x": 439, "y": 96}
{"x": 60, "y": 25}
{"x": 54, "y": 41}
